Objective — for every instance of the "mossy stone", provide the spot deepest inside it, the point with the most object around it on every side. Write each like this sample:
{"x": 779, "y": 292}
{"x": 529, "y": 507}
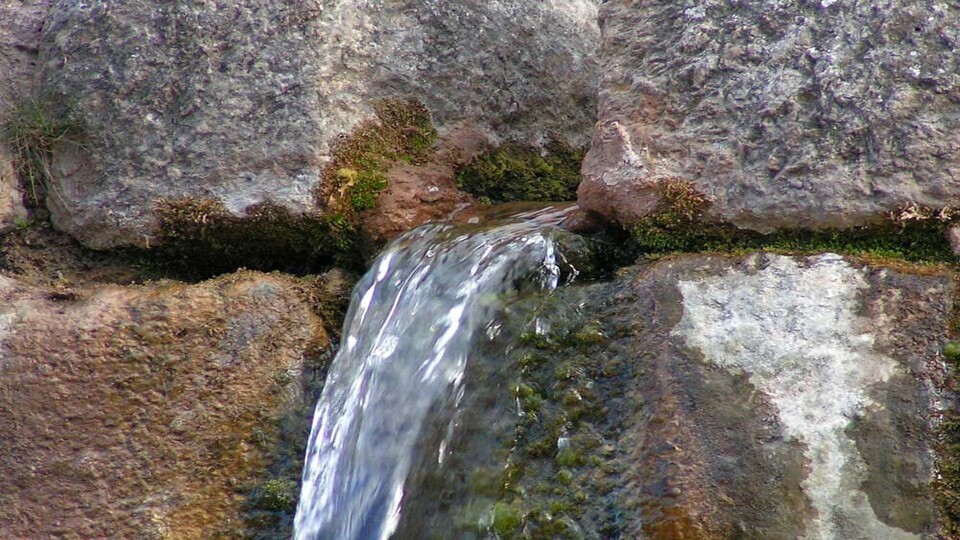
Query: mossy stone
{"x": 952, "y": 351}
{"x": 515, "y": 172}
{"x": 506, "y": 519}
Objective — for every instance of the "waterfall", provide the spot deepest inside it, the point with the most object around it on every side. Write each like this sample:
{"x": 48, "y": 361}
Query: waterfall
{"x": 411, "y": 325}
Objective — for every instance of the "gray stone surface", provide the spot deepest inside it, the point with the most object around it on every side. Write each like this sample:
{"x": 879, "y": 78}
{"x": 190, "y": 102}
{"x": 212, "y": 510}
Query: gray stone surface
{"x": 776, "y": 397}
{"x": 19, "y": 45}
{"x": 240, "y": 102}
{"x": 806, "y": 114}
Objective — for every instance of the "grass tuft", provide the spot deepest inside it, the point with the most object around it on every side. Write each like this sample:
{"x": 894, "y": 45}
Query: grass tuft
{"x": 32, "y": 128}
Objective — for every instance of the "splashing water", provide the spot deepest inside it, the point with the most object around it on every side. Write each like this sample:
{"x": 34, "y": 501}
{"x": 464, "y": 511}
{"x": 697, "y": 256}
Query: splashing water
{"x": 410, "y": 328}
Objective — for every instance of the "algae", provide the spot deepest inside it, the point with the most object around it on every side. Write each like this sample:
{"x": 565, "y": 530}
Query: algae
{"x": 515, "y": 172}
{"x": 681, "y": 224}
{"x": 199, "y": 238}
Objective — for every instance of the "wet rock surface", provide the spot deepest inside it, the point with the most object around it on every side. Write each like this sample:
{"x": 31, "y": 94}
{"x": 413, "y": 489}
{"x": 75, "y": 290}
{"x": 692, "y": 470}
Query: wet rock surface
{"x": 734, "y": 397}
{"x": 241, "y": 104}
{"x": 817, "y": 114}
{"x": 150, "y": 411}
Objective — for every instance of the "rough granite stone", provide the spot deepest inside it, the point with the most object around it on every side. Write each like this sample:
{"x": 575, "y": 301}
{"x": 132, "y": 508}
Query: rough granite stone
{"x": 240, "y": 102}
{"x": 147, "y": 411}
{"x": 777, "y": 397}
{"x": 19, "y": 46}
{"x": 787, "y": 114}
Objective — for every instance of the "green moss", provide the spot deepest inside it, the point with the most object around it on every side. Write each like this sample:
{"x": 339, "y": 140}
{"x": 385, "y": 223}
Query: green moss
{"x": 199, "y": 237}
{"x": 681, "y": 224}
{"x": 947, "y": 484}
{"x": 590, "y": 334}
{"x": 32, "y": 128}
{"x": 276, "y": 495}
{"x": 357, "y": 173}
{"x": 570, "y": 457}
{"x": 506, "y": 519}
{"x": 952, "y": 351}
{"x": 514, "y": 172}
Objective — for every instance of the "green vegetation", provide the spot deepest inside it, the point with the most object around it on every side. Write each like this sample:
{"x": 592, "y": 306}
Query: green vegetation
{"x": 514, "y": 172}
{"x": 506, "y": 518}
{"x": 277, "y": 495}
{"x": 681, "y": 224}
{"x": 560, "y": 451}
{"x": 358, "y": 171}
{"x": 952, "y": 351}
{"x": 201, "y": 238}
{"x": 31, "y": 128}
{"x": 947, "y": 483}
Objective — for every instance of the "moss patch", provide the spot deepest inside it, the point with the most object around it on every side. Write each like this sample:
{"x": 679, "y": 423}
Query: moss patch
{"x": 357, "y": 173}
{"x": 680, "y": 224}
{"x": 514, "y": 172}
{"x": 561, "y": 473}
{"x": 201, "y": 238}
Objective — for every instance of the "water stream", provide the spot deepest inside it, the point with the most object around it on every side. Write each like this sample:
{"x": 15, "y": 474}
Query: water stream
{"x": 413, "y": 322}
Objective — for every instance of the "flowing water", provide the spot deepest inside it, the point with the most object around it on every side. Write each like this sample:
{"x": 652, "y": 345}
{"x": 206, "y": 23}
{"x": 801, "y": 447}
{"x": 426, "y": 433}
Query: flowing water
{"x": 413, "y": 324}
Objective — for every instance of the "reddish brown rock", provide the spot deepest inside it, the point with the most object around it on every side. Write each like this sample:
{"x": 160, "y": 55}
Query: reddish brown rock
{"x": 145, "y": 411}
{"x": 417, "y": 194}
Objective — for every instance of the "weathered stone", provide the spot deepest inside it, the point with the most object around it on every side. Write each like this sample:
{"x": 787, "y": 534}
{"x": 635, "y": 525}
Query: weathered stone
{"x": 11, "y": 200}
{"x": 786, "y": 114}
{"x": 241, "y": 103}
{"x": 767, "y": 397}
{"x": 19, "y": 45}
{"x": 421, "y": 193}
{"x": 953, "y": 236}
{"x": 146, "y": 411}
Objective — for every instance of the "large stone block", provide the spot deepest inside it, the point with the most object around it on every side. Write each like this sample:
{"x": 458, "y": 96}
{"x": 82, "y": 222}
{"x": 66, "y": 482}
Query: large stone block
{"x": 787, "y": 114}
{"x": 147, "y": 411}
{"x": 240, "y": 103}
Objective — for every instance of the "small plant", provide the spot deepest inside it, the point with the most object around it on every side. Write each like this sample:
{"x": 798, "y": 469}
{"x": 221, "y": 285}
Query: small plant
{"x": 22, "y": 222}
{"x": 952, "y": 351}
{"x": 32, "y": 128}
{"x": 277, "y": 495}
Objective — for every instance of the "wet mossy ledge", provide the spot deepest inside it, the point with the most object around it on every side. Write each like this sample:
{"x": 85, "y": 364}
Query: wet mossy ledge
{"x": 199, "y": 237}
{"x": 516, "y": 172}
{"x": 681, "y": 224}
